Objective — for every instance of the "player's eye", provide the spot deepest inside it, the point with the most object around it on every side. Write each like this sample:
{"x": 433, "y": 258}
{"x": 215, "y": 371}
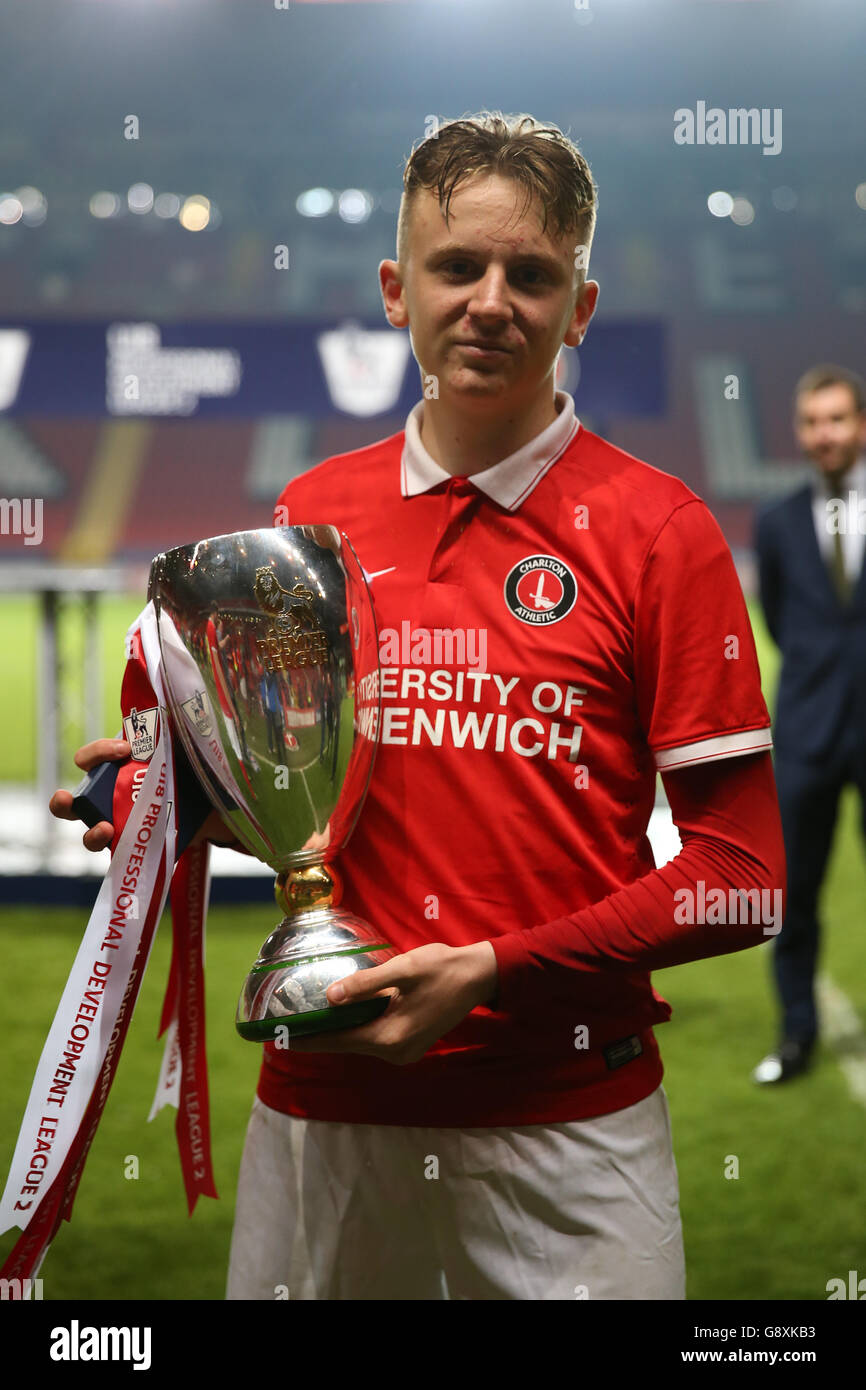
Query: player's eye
{"x": 460, "y": 269}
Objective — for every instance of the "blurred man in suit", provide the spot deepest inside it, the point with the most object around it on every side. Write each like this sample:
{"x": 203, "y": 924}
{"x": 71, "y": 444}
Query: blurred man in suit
{"x": 813, "y": 590}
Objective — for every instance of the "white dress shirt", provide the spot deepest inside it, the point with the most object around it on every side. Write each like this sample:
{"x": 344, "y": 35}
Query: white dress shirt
{"x": 848, "y": 516}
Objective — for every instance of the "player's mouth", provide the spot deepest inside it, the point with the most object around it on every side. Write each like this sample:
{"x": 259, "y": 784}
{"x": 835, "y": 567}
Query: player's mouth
{"x": 482, "y": 350}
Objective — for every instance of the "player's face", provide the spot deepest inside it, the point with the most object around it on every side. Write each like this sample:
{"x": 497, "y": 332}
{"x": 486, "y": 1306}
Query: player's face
{"x": 830, "y": 430}
{"x": 490, "y": 298}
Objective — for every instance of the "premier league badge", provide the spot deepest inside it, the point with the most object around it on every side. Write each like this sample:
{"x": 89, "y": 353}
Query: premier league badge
{"x": 140, "y": 730}
{"x": 540, "y": 590}
{"x": 198, "y": 712}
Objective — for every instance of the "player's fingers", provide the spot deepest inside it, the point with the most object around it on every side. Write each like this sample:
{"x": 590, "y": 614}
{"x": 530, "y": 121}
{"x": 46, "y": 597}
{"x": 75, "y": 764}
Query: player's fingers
{"x": 396, "y": 976}
{"x": 102, "y": 750}
{"x": 360, "y": 986}
{"x": 216, "y": 830}
{"x": 357, "y": 1040}
{"x": 98, "y": 837}
{"x": 60, "y": 805}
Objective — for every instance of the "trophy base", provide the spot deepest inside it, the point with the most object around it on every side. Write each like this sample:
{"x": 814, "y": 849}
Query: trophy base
{"x": 285, "y": 993}
{"x": 328, "y": 1020}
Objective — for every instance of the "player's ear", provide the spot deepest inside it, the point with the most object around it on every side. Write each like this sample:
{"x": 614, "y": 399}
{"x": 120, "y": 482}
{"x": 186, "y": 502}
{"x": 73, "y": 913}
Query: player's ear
{"x": 393, "y": 296}
{"x": 583, "y": 311}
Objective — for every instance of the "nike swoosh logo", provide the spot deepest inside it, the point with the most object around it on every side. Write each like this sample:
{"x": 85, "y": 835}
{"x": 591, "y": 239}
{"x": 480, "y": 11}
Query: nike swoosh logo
{"x": 377, "y": 573}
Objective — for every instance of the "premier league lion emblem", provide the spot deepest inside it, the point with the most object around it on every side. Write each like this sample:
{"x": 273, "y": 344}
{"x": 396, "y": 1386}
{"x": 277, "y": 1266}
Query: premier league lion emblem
{"x": 302, "y": 640}
{"x": 269, "y": 591}
{"x": 297, "y": 613}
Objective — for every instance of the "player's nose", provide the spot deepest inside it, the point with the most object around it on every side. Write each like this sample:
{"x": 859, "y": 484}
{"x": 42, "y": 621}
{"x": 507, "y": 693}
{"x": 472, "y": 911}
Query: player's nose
{"x": 490, "y": 296}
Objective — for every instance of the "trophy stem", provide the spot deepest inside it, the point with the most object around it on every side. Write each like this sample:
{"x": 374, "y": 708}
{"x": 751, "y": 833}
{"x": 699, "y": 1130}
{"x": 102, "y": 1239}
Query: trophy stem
{"x": 303, "y": 889}
{"x": 317, "y": 943}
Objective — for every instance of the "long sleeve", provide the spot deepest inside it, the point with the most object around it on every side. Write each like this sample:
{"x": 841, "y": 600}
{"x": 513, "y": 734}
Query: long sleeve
{"x": 728, "y": 818}
{"x": 769, "y": 577}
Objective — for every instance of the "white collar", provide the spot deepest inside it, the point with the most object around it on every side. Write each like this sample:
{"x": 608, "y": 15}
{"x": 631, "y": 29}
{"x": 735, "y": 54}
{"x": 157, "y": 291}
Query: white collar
{"x": 508, "y": 482}
{"x": 854, "y": 482}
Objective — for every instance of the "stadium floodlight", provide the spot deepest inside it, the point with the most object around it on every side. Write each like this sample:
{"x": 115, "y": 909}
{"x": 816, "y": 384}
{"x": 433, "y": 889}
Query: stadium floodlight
{"x": 11, "y": 210}
{"x": 140, "y": 198}
{"x": 35, "y": 208}
{"x": 720, "y": 204}
{"x": 354, "y": 205}
{"x": 104, "y": 205}
{"x": 194, "y": 216}
{"x": 743, "y": 212}
{"x": 783, "y": 198}
{"x": 315, "y": 202}
{"x": 166, "y": 205}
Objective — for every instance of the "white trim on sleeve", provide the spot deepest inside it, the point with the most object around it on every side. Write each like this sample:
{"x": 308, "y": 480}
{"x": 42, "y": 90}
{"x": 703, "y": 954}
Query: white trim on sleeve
{"x": 710, "y": 750}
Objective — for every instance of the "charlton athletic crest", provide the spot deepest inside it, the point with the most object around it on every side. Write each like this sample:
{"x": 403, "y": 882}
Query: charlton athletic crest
{"x": 540, "y": 590}
{"x": 140, "y": 730}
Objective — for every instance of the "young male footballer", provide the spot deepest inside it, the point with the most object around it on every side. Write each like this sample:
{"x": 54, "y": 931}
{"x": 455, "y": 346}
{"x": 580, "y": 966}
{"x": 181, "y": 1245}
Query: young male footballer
{"x": 501, "y": 1131}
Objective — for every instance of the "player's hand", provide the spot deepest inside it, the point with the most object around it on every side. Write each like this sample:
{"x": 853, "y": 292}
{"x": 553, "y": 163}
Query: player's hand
{"x": 218, "y": 832}
{"x": 102, "y": 750}
{"x": 99, "y": 837}
{"x": 432, "y": 988}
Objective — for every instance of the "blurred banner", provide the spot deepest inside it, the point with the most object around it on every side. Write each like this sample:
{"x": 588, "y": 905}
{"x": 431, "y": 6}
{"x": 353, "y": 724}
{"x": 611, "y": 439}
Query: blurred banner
{"x": 249, "y": 369}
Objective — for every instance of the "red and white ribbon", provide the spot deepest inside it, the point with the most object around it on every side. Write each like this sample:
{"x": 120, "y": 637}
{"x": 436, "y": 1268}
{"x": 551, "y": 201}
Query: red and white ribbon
{"x": 183, "y": 1076}
{"x": 81, "y": 1053}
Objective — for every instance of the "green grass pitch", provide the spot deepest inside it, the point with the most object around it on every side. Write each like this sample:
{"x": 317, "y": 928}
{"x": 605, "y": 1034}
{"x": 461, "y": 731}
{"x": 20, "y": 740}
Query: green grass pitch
{"x": 788, "y": 1223}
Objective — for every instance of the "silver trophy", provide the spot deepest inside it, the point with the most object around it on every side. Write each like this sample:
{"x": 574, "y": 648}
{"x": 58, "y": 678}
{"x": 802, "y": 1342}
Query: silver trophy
{"x": 271, "y": 670}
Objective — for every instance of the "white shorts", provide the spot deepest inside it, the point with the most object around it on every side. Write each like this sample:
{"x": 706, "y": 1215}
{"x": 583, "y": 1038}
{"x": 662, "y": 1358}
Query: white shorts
{"x": 588, "y": 1209}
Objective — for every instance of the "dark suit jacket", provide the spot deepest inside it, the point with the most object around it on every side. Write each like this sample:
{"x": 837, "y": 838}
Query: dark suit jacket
{"x": 822, "y": 687}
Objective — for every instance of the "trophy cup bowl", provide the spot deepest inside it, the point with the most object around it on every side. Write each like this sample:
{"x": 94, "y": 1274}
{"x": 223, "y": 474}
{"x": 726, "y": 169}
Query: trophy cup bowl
{"x": 271, "y": 671}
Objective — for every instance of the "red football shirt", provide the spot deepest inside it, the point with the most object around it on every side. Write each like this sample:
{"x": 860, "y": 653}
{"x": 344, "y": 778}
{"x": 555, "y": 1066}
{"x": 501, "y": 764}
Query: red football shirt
{"x": 552, "y": 631}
